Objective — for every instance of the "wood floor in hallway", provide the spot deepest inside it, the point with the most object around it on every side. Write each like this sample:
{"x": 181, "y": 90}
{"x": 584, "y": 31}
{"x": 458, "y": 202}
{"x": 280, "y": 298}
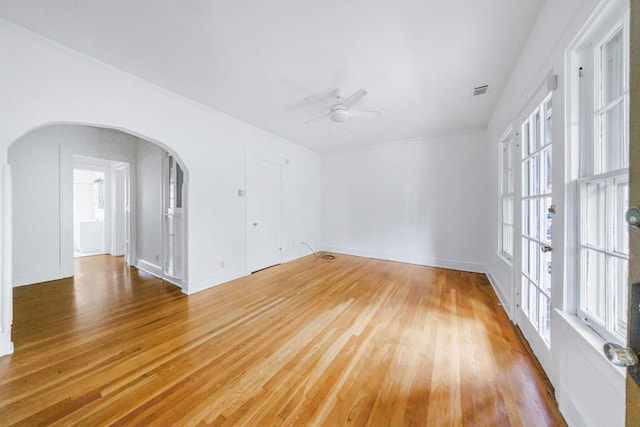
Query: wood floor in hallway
{"x": 350, "y": 341}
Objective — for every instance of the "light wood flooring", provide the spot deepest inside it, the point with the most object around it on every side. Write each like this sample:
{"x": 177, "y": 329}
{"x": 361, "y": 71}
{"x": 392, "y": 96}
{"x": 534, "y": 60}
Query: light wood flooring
{"x": 350, "y": 341}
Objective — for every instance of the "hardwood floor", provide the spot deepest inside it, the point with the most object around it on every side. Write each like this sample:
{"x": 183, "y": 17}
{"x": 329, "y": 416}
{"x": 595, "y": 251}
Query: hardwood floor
{"x": 321, "y": 342}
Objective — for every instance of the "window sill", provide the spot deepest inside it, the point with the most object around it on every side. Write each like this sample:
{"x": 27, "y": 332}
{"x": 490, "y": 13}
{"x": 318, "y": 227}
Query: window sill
{"x": 507, "y": 261}
{"x": 591, "y": 344}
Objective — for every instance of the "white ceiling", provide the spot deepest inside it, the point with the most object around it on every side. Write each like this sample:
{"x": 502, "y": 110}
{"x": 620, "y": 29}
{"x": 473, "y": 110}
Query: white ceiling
{"x": 257, "y": 60}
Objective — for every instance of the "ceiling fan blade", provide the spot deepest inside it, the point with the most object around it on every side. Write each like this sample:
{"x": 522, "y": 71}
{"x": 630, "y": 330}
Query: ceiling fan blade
{"x": 315, "y": 101}
{"x": 318, "y": 118}
{"x": 364, "y": 113}
{"x": 353, "y": 99}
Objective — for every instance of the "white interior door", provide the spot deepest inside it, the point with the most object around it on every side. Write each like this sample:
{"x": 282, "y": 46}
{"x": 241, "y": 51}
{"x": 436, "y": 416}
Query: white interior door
{"x": 264, "y": 214}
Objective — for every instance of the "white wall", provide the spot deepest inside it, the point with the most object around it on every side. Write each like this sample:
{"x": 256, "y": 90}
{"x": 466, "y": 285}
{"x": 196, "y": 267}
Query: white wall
{"x": 589, "y": 390}
{"x": 420, "y": 201}
{"x": 42, "y": 83}
{"x": 149, "y": 207}
{"x": 36, "y": 209}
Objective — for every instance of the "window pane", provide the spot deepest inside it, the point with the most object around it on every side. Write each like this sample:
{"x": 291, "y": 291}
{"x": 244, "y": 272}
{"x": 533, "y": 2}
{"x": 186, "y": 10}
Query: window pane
{"x": 533, "y": 305}
{"x": 535, "y": 174}
{"x": 594, "y": 203}
{"x": 615, "y": 155}
{"x": 546, "y": 224}
{"x": 524, "y": 294}
{"x": 545, "y": 317}
{"x": 525, "y": 178}
{"x": 534, "y": 261}
{"x": 545, "y": 283}
{"x": 594, "y": 285}
{"x": 621, "y": 240}
{"x": 525, "y": 139}
{"x": 621, "y": 275}
{"x": 507, "y": 210}
{"x": 547, "y": 123}
{"x": 507, "y": 239}
{"x": 509, "y": 169}
{"x": 510, "y": 209}
{"x": 612, "y": 69}
{"x": 525, "y": 257}
{"x": 525, "y": 218}
{"x": 534, "y": 142}
{"x": 547, "y": 171}
{"x": 534, "y": 218}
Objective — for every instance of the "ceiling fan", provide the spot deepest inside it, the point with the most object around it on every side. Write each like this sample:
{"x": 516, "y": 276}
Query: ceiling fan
{"x": 340, "y": 112}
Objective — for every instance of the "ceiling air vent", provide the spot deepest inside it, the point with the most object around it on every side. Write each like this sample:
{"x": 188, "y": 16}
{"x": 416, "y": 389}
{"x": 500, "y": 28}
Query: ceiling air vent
{"x": 480, "y": 90}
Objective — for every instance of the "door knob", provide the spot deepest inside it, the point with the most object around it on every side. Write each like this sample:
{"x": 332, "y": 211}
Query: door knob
{"x": 619, "y": 355}
{"x": 546, "y": 248}
{"x": 255, "y": 224}
{"x": 633, "y": 217}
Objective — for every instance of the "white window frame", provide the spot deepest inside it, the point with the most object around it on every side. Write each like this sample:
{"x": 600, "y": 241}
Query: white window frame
{"x": 507, "y": 192}
{"x": 589, "y": 171}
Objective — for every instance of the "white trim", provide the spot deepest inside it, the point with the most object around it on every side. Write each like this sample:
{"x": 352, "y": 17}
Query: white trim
{"x": 149, "y": 267}
{"x": 6, "y": 346}
{"x": 571, "y": 415}
{"x": 423, "y": 138}
{"x": 212, "y": 281}
{"x": 155, "y": 271}
{"x": 6, "y": 299}
{"x": 508, "y": 141}
{"x": 426, "y": 261}
{"x": 38, "y": 277}
{"x": 499, "y": 292}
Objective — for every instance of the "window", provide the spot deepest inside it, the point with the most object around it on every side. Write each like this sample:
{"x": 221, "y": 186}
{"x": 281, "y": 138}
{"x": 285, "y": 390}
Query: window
{"x": 603, "y": 183}
{"x": 537, "y": 212}
{"x": 176, "y": 179}
{"x": 506, "y": 196}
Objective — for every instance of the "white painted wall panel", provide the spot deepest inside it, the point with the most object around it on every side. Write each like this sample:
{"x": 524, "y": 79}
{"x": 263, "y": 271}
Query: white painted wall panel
{"x": 36, "y": 209}
{"x": 421, "y": 201}
{"x": 149, "y": 206}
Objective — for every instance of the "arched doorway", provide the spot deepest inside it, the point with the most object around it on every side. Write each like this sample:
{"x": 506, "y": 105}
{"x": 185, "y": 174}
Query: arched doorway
{"x": 145, "y": 220}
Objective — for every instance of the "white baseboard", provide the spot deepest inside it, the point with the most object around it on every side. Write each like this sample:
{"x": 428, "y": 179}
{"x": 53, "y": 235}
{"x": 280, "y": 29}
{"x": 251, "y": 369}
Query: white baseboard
{"x": 34, "y": 277}
{"x": 498, "y": 290}
{"x": 409, "y": 259}
{"x": 6, "y": 346}
{"x": 199, "y": 285}
{"x": 156, "y": 271}
{"x": 149, "y": 267}
{"x": 568, "y": 410}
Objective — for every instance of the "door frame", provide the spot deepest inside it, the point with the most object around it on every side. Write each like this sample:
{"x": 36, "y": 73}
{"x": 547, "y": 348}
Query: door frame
{"x": 632, "y": 403}
{"x": 121, "y": 166}
{"x": 107, "y": 232}
{"x": 182, "y": 279}
{"x": 539, "y": 347}
{"x": 251, "y": 154}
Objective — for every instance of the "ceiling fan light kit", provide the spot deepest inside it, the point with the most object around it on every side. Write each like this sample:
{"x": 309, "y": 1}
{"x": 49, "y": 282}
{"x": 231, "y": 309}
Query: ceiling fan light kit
{"x": 339, "y": 116}
{"x": 340, "y": 112}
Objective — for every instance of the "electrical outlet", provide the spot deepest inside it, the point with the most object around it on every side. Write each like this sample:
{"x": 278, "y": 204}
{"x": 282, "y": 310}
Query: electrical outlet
{"x": 157, "y": 258}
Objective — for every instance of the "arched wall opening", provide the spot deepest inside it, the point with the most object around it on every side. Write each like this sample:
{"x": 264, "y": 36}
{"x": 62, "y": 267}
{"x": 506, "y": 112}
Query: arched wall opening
{"x": 155, "y": 183}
